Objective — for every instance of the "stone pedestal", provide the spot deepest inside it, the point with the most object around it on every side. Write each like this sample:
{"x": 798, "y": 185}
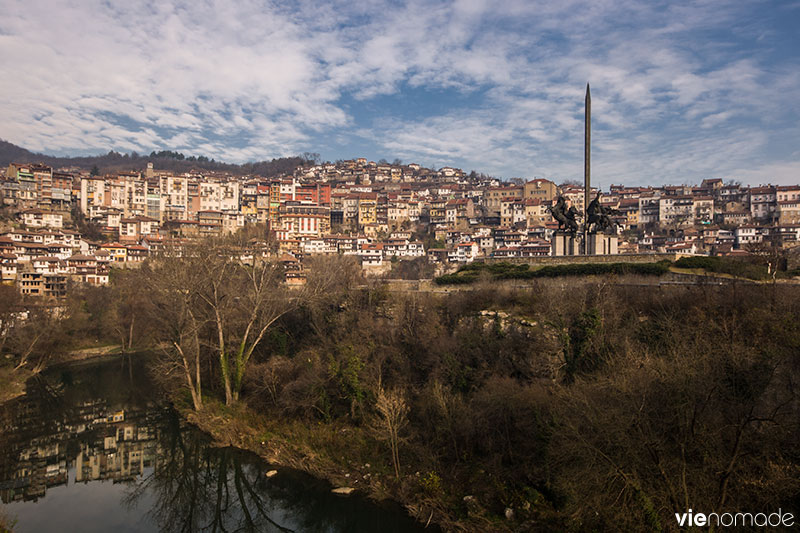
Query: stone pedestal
{"x": 564, "y": 244}
{"x": 601, "y": 244}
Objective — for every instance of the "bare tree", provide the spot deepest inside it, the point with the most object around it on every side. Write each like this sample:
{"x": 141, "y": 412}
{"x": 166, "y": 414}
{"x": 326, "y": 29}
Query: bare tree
{"x": 172, "y": 285}
{"x": 245, "y": 301}
{"x": 771, "y": 253}
{"x": 127, "y": 301}
{"x": 9, "y": 312}
{"x": 37, "y": 337}
{"x": 207, "y": 298}
{"x": 392, "y": 418}
{"x": 242, "y": 303}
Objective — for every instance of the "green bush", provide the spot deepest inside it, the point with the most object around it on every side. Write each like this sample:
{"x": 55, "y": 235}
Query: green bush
{"x": 498, "y": 271}
{"x": 704, "y": 262}
{"x": 588, "y": 269}
{"x": 724, "y": 265}
{"x": 793, "y": 273}
{"x": 454, "y": 279}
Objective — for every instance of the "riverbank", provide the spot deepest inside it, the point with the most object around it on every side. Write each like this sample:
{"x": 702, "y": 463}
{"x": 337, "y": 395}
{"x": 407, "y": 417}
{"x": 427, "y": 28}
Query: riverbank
{"x": 6, "y": 523}
{"x": 320, "y": 451}
{"x": 159, "y": 471}
{"x": 12, "y": 380}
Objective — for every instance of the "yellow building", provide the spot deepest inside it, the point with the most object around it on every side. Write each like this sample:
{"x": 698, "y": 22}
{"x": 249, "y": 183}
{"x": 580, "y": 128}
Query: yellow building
{"x": 117, "y": 252}
{"x": 542, "y": 189}
{"x": 367, "y": 209}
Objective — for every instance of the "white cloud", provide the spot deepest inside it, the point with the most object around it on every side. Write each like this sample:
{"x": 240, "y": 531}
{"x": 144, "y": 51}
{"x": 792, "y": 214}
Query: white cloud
{"x": 680, "y": 90}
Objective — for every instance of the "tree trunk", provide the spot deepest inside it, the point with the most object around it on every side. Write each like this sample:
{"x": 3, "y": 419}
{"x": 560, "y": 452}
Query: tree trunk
{"x": 197, "y": 380}
{"x": 130, "y": 333}
{"x": 194, "y": 387}
{"x": 226, "y": 379}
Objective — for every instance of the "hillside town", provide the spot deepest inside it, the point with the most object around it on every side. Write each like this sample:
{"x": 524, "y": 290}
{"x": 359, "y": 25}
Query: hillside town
{"x": 67, "y": 225}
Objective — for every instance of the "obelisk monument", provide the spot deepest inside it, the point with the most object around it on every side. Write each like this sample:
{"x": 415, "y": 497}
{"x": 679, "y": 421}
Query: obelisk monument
{"x": 587, "y": 138}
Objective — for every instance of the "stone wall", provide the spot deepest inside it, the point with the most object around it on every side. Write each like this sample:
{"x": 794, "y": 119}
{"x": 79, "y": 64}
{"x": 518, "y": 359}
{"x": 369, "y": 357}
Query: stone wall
{"x": 670, "y": 279}
{"x": 566, "y": 260}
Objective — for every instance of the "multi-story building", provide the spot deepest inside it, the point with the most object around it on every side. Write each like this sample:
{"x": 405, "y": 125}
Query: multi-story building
{"x": 39, "y": 218}
{"x": 676, "y": 210}
{"x": 465, "y": 252}
{"x": 540, "y": 189}
{"x": 788, "y": 212}
{"x": 537, "y": 212}
{"x": 763, "y": 203}
{"x": 175, "y": 193}
{"x": 459, "y": 211}
{"x": 8, "y": 267}
{"x": 298, "y": 221}
{"x": 216, "y": 196}
{"x": 649, "y": 205}
{"x": 494, "y": 196}
{"x": 133, "y": 229}
{"x": 367, "y": 209}
{"x": 34, "y": 283}
{"x": 703, "y": 210}
{"x": 512, "y": 212}
{"x": 93, "y": 190}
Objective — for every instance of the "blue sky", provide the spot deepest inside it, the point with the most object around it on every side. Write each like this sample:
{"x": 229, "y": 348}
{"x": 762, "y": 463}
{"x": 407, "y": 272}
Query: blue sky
{"x": 681, "y": 91}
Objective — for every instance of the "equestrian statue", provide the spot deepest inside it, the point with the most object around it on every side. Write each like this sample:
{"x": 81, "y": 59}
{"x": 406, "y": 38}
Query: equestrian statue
{"x": 566, "y": 217}
{"x": 598, "y": 217}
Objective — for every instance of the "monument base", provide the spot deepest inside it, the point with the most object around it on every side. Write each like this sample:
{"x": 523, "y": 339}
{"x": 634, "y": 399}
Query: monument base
{"x": 601, "y": 244}
{"x": 565, "y": 244}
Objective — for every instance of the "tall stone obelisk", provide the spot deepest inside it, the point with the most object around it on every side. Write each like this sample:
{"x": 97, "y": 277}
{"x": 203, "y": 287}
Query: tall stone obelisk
{"x": 587, "y": 182}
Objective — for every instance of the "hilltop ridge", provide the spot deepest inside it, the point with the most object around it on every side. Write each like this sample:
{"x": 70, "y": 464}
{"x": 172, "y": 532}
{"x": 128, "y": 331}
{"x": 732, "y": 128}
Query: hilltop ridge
{"x": 165, "y": 160}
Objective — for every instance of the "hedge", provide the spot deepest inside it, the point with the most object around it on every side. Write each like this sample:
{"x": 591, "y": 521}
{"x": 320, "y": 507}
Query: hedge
{"x": 498, "y": 271}
{"x": 724, "y": 265}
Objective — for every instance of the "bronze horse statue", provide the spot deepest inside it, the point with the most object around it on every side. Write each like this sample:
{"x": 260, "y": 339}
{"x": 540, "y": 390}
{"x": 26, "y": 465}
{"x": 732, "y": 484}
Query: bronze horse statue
{"x": 598, "y": 217}
{"x": 566, "y": 218}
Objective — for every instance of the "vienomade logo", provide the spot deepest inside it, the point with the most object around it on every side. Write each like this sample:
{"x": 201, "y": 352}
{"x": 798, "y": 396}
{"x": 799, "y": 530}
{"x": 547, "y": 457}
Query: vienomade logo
{"x": 738, "y": 519}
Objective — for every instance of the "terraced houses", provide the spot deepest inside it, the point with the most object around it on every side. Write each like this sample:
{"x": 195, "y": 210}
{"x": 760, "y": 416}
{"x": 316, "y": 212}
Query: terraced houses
{"x": 378, "y": 212}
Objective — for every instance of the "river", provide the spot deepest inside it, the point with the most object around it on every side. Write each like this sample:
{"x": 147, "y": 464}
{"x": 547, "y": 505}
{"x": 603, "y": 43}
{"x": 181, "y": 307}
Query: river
{"x": 92, "y": 448}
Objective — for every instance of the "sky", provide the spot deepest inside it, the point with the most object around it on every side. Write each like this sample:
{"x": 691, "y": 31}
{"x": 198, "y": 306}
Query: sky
{"x": 681, "y": 91}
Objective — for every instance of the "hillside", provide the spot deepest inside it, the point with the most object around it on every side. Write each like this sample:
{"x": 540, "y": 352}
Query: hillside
{"x": 166, "y": 160}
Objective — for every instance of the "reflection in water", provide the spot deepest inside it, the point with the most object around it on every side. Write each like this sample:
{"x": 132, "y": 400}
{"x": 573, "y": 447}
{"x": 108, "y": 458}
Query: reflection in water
{"x": 88, "y": 450}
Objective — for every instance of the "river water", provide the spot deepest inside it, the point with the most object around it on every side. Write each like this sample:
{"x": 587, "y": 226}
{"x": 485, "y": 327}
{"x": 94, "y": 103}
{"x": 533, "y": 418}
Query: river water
{"x": 91, "y": 448}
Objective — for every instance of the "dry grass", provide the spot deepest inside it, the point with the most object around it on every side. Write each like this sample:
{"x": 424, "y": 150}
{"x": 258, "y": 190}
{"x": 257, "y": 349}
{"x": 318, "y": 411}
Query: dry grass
{"x": 318, "y": 450}
{"x": 6, "y": 522}
{"x": 12, "y": 383}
